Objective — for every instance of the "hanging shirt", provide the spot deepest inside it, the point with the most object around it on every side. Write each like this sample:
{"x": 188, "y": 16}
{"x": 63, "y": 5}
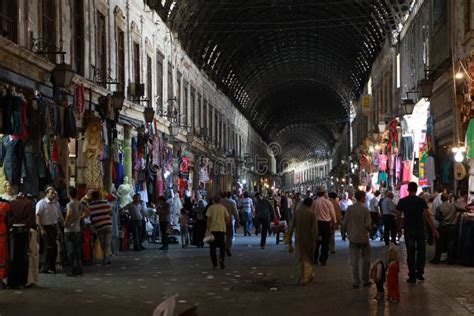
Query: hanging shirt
{"x": 429, "y": 170}
{"x": 383, "y": 159}
{"x": 470, "y": 139}
{"x": 383, "y": 177}
{"x": 406, "y": 173}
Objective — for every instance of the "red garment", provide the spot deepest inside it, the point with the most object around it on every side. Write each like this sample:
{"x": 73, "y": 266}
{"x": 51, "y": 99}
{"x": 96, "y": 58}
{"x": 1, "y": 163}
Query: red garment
{"x": 393, "y": 135}
{"x": 182, "y": 186}
{"x": 79, "y": 99}
{"x": 4, "y": 208}
{"x": 393, "y": 284}
{"x": 86, "y": 245}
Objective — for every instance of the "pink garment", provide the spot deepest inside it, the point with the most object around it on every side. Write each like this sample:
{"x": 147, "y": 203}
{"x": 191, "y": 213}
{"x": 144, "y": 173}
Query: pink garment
{"x": 398, "y": 167}
{"x": 406, "y": 171}
{"x": 403, "y": 191}
{"x": 383, "y": 159}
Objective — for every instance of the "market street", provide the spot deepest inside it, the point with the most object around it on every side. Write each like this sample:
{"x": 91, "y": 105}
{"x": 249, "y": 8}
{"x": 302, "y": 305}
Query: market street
{"x": 136, "y": 282}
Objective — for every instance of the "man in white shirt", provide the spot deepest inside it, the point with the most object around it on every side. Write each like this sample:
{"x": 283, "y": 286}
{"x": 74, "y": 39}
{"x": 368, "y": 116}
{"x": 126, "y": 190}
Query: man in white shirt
{"x": 368, "y": 196}
{"x": 374, "y": 214}
{"x": 326, "y": 217}
{"x": 48, "y": 214}
{"x": 344, "y": 203}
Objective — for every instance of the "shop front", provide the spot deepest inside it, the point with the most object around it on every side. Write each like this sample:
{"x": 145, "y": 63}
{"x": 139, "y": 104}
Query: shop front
{"x": 400, "y": 152}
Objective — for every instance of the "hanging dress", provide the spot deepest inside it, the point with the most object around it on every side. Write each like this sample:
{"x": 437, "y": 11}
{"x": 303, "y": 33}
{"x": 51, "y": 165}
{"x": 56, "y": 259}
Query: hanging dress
{"x": 4, "y": 208}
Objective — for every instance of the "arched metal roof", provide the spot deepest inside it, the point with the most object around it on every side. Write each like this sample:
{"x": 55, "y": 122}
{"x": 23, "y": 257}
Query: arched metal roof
{"x": 291, "y": 66}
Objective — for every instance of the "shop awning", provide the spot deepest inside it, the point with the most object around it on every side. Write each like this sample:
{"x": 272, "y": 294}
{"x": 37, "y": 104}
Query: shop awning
{"x": 130, "y": 121}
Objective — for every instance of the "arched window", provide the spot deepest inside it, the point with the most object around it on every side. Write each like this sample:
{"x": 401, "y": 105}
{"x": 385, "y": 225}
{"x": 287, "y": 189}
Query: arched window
{"x": 9, "y": 19}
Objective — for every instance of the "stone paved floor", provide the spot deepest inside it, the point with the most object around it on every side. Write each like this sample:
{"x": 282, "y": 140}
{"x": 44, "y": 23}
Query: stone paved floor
{"x": 137, "y": 282}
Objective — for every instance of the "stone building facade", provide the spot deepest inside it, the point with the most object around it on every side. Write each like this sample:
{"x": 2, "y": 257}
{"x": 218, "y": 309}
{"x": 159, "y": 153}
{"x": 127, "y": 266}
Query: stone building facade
{"x": 125, "y": 42}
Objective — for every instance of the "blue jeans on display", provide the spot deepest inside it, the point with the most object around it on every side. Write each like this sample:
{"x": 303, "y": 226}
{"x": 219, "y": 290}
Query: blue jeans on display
{"x": 74, "y": 251}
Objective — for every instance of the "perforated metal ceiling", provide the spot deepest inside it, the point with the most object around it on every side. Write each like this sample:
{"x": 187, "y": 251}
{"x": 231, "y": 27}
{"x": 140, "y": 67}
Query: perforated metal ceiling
{"x": 291, "y": 66}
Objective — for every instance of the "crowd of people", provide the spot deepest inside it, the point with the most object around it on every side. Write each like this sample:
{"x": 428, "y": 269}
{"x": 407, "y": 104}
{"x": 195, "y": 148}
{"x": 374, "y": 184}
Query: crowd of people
{"x": 419, "y": 217}
{"x": 36, "y": 236}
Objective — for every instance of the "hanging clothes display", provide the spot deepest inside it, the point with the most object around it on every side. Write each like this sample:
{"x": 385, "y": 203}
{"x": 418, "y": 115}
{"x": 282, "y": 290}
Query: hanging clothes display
{"x": 393, "y": 135}
{"x": 429, "y": 171}
{"x": 469, "y": 140}
{"x": 6, "y": 104}
{"x": 383, "y": 161}
{"x": 79, "y": 99}
{"x": 471, "y": 179}
{"x": 11, "y": 157}
{"x": 406, "y": 149}
{"x": 204, "y": 170}
{"x": 92, "y": 149}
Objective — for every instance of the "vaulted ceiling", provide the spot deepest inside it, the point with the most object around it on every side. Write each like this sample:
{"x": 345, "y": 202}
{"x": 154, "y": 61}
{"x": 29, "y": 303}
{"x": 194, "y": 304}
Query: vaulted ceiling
{"x": 291, "y": 66}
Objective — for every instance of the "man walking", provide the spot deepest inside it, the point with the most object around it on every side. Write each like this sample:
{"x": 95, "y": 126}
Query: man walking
{"x": 374, "y": 214}
{"x": 100, "y": 213}
{"x": 304, "y": 226}
{"x": 163, "y": 212}
{"x": 415, "y": 212}
{"x": 135, "y": 211}
{"x": 248, "y": 210}
{"x": 326, "y": 217}
{"x": 285, "y": 211}
{"x": 335, "y": 203}
{"x": 217, "y": 220}
{"x": 47, "y": 216}
{"x": 263, "y": 216}
{"x": 345, "y": 203}
{"x": 390, "y": 214}
{"x": 231, "y": 208}
{"x": 358, "y": 224}
{"x": 447, "y": 215}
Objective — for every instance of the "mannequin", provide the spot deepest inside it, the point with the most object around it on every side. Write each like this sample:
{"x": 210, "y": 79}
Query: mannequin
{"x": 124, "y": 192}
{"x": 8, "y": 195}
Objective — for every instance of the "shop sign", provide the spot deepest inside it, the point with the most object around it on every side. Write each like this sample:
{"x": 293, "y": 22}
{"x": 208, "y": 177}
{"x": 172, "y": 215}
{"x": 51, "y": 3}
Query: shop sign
{"x": 366, "y": 103}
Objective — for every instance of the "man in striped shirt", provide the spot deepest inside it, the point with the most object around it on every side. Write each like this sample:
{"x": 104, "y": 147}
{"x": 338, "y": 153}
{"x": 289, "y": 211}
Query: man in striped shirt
{"x": 100, "y": 213}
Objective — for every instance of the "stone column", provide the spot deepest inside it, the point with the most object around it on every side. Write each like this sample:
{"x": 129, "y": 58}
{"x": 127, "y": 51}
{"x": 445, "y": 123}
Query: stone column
{"x": 127, "y": 152}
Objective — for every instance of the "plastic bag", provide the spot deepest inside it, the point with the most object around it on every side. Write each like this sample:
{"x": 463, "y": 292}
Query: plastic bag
{"x": 209, "y": 238}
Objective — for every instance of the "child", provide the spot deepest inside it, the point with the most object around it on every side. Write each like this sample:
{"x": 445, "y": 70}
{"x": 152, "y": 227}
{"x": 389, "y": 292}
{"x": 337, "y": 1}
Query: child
{"x": 393, "y": 268}
{"x": 377, "y": 274}
{"x": 183, "y": 227}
